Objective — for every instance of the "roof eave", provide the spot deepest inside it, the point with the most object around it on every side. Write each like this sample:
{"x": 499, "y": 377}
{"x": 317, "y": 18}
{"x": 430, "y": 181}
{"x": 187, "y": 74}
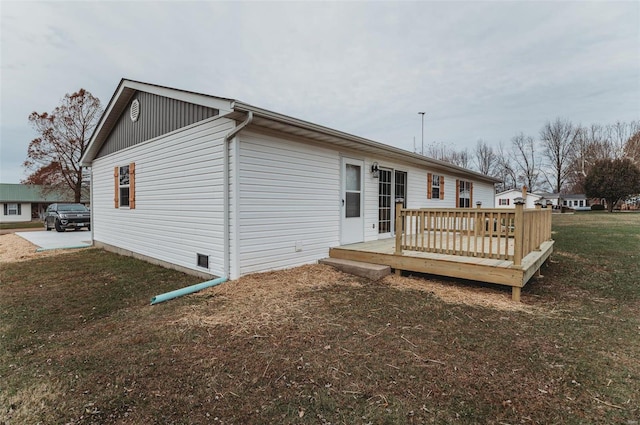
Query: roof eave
{"x": 429, "y": 162}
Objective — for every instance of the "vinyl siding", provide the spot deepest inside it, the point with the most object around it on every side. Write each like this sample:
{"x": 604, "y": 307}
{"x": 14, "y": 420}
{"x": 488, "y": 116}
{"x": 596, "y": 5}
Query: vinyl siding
{"x": 416, "y": 192}
{"x": 179, "y": 197}
{"x": 25, "y": 213}
{"x": 289, "y": 194}
{"x": 158, "y": 115}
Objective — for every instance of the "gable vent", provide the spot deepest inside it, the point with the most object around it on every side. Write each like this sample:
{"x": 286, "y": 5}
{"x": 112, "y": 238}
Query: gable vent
{"x": 134, "y": 113}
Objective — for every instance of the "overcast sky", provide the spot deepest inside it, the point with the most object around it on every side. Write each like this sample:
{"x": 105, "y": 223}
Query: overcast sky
{"x": 478, "y": 69}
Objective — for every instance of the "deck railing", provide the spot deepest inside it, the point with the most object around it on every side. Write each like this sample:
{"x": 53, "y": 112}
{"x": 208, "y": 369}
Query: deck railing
{"x": 507, "y": 234}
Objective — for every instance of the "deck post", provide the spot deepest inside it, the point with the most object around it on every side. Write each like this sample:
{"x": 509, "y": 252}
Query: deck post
{"x": 515, "y": 293}
{"x": 399, "y": 232}
{"x": 518, "y": 232}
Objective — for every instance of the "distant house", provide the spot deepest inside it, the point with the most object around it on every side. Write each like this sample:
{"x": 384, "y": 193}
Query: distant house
{"x": 578, "y": 202}
{"x": 506, "y": 199}
{"x": 26, "y": 202}
{"x": 550, "y": 198}
{"x": 215, "y": 186}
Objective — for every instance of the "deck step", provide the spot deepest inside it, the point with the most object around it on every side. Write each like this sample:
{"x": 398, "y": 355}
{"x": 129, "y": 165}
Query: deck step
{"x": 358, "y": 268}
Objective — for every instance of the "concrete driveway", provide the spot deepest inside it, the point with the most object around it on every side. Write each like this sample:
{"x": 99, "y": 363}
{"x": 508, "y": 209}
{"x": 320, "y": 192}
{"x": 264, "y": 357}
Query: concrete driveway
{"x": 54, "y": 240}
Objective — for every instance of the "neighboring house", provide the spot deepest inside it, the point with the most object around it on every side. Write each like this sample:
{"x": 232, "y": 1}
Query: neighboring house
{"x": 25, "y": 202}
{"x": 506, "y": 199}
{"x": 551, "y": 198}
{"x": 217, "y": 187}
{"x": 578, "y": 202}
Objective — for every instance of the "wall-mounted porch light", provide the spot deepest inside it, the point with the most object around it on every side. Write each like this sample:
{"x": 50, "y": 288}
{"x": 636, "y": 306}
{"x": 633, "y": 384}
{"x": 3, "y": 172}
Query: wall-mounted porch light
{"x": 375, "y": 170}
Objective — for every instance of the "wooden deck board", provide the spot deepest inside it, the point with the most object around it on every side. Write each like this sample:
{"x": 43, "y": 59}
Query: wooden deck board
{"x": 491, "y": 270}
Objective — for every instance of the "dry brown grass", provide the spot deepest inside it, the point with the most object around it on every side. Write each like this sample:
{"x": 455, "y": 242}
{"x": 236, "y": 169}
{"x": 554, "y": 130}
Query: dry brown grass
{"x": 455, "y": 294}
{"x": 13, "y": 249}
{"x": 32, "y": 402}
{"x": 262, "y": 300}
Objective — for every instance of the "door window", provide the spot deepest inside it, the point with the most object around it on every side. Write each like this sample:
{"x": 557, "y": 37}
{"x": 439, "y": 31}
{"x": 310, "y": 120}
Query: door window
{"x": 384, "y": 201}
{"x": 353, "y": 190}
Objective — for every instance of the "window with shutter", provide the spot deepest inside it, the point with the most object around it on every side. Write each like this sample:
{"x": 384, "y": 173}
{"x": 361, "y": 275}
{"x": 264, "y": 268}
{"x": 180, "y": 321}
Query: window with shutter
{"x": 125, "y": 186}
{"x": 435, "y": 186}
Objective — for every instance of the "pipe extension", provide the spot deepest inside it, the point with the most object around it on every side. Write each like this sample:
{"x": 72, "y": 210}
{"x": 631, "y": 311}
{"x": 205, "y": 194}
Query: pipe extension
{"x": 186, "y": 291}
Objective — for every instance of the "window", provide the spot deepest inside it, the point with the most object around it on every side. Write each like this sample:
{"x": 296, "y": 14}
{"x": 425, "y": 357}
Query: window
{"x": 124, "y": 186}
{"x": 435, "y": 186}
{"x": 401, "y": 187}
{"x": 384, "y": 201}
{"x": 12, "y": 209}
{"x": 503, "y": 201}
{"x": 465, "y": 193}
{"x": 353, "y": 191}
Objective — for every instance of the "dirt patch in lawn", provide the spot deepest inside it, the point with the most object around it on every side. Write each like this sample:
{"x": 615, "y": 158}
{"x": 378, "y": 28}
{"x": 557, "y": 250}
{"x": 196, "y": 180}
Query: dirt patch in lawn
{"x": 453, "y": 293}
{"x": 13, "y": 249}
{"x": 262, "y": 300}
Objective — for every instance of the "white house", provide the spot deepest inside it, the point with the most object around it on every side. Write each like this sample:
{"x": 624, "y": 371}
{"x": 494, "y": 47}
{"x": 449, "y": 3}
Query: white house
{"x": 578, "y": 202}
{"x": 26, "y": 202}
{"x": 505, "y": 199}
{"x": 218, "y": 187}
{"x": 551, "y": 198}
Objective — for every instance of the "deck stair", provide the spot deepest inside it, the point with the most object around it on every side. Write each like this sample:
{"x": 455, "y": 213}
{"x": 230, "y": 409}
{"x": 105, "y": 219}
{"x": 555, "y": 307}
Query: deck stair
{"x": 358, "y": 268}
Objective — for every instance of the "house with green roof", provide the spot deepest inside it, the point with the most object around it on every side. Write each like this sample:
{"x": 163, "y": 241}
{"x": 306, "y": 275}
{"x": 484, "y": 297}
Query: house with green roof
{"x": 26, "y": 202}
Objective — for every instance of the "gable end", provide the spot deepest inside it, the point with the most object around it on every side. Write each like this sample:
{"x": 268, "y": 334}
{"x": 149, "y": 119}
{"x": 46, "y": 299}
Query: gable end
{"x": 157, "y": 115}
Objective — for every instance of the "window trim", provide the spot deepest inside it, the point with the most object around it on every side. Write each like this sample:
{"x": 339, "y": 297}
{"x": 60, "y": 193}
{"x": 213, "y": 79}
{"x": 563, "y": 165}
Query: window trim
{"x": 431, "y": 185}
{"x": 8, "y": 210}
{"x": 460, "y": 187}
{"x": 130, "y": 202}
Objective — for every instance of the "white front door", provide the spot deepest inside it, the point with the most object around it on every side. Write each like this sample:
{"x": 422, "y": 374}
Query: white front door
{"x": 352, "y": 205}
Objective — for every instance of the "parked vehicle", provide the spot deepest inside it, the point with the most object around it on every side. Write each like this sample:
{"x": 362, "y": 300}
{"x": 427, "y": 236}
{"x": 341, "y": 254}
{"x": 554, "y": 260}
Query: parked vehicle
{"x": 67, "y": 216}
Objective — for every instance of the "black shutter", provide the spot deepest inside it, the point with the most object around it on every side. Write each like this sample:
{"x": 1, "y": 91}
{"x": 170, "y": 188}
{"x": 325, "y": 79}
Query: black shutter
{"x": 19, "y": 209}
{"x": 6, "y": 209}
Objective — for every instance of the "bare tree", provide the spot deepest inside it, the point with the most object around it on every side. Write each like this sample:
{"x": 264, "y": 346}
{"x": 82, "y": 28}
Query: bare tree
{"x": 505, "y": 171}
{"x": 558, "y": 140}
{"x": 54, "y": 157}
{"x": 525, "y": 158}
{"x": 485, "y": 159}
{"x": 620, "y": 133}
{"x": 437, "y": 150}
{"x": 632, "y": 148}
{"x": 460, "y": 158}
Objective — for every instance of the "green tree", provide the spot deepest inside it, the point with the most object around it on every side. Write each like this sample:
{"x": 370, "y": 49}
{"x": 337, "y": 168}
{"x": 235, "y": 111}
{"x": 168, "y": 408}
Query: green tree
{"x": 53, "y": 158}
{"x": 613, "y": 180}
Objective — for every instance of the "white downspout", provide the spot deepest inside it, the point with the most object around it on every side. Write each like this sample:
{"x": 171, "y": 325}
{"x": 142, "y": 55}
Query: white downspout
{"x": 226, "y": 184}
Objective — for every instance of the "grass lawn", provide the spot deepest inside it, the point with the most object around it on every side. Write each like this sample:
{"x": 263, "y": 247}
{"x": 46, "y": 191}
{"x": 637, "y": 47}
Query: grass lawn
{"x": 22, "y": 225}
{"x": 80, "y": 344}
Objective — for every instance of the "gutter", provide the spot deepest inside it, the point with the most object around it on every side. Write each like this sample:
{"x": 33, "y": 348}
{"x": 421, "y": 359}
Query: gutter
{"x": 317, "y": 128}
{"x": 227, "y": 260}
{"x": 226, "y": 184}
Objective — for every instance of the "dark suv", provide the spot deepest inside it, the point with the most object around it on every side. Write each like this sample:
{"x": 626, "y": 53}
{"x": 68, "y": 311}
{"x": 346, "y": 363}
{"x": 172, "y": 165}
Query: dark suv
{"x": 67, "y": 216}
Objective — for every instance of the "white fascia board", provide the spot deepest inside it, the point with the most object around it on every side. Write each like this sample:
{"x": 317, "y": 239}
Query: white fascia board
{"x": 428, "y": 162}
{"x": 219, "y": 103}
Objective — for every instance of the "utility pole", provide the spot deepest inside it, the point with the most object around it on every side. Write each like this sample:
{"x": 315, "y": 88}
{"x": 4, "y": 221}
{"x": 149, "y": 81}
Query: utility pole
{"x": 422, "y": 113}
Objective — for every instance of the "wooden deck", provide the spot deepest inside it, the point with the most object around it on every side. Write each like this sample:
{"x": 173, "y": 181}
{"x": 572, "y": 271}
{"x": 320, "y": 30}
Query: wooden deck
{"x": 461, "y": 245}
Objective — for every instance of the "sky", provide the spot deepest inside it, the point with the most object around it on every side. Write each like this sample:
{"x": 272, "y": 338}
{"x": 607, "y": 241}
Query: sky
{"x": 479, "y": 70}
